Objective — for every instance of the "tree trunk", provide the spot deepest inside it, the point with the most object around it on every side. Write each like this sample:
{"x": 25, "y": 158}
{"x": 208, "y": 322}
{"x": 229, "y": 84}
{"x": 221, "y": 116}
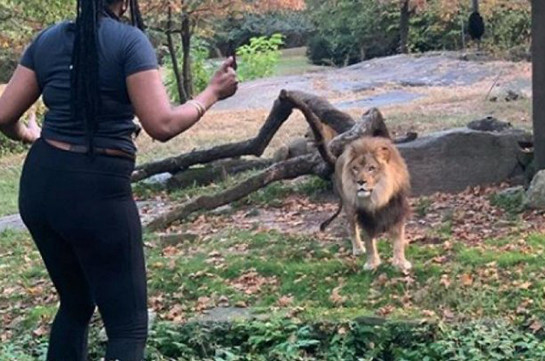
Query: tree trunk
{"x": 404, "y": 27}
{"x": 538, "y": 80}
{"x": 475, "y": 5}
{"x": 186, "y": 48}
{"x": 174, "y": 58}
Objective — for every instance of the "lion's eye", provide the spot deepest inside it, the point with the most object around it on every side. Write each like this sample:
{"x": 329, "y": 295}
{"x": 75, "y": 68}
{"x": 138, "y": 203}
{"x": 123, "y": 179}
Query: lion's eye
{"x": 372, "y": 168}
{"x": 354, "y": 168}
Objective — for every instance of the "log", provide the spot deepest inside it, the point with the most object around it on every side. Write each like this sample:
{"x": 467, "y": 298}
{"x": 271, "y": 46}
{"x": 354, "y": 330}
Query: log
{"x": 281, "y": 110}
{"x": 289, "y": 169}
{"x": 215, "y": 171}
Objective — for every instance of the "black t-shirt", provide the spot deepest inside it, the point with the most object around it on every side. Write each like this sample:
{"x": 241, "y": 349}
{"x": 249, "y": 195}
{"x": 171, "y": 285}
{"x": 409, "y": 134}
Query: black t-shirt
{"x": 123, "y": 50}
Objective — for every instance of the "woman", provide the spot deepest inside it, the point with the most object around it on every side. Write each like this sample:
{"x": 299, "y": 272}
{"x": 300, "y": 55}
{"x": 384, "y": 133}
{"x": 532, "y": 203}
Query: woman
{"x": 75, "y": 194}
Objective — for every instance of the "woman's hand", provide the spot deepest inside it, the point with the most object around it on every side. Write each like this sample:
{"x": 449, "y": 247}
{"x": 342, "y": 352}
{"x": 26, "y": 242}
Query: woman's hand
{"x": 224, "y": 83}
{"x": 152, "y": 105}
{"x": 32, "y": 130}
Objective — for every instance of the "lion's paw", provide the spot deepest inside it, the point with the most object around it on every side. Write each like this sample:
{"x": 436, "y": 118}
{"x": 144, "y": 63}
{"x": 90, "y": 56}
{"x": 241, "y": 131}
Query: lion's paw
{"x": 371, "y": 265}
{"x": 402, "y": 264}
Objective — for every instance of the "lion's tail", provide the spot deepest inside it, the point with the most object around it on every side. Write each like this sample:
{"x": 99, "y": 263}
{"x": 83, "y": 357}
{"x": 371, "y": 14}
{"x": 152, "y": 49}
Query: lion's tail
{"x": 326, "y": 223}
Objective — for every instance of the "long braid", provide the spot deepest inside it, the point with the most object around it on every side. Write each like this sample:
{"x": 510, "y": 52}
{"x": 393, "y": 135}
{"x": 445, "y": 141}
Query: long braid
{"x": 85, "y": 63}
{"x": 85, "y": 86}
{"x": 136, "y": 16}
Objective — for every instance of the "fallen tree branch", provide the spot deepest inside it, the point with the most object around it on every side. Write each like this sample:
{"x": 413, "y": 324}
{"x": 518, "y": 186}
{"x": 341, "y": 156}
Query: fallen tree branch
{"x": 256, "y": 146}
{"x": 314, "y": 123}
{"x": 289, "y": 169}
{"x": 281, "y": 110}
{"x": 219, "y": 170}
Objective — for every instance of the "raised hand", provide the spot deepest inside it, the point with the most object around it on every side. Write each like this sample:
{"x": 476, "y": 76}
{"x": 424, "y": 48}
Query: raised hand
{"x": 224, "y": 83}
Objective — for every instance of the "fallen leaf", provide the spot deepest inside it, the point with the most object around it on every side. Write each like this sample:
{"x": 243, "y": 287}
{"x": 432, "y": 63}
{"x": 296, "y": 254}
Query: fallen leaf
{"x": 467, "y": 280}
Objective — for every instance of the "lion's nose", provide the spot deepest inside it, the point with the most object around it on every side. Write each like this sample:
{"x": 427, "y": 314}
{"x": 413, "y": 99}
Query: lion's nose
{"x": 361, "y": 182}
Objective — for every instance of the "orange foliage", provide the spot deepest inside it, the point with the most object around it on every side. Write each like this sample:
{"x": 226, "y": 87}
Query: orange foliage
{"x": 275, "y": 5}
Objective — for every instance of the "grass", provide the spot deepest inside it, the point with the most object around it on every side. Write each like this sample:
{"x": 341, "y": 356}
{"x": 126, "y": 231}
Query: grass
{"x": 9, "y": 188}
{"x": 295, "y": 62}
{"x": 274, "y": 274}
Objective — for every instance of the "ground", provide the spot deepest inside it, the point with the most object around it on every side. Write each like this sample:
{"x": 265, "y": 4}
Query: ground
{"x": 476, "y": 255}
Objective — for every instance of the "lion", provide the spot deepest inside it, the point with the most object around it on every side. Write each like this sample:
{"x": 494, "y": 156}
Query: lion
{"x": 373, "y": 183}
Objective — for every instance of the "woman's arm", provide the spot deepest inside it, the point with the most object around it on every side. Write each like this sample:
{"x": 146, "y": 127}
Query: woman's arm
{"x": 21, "y": 92}
{"x": 152, "y": 106}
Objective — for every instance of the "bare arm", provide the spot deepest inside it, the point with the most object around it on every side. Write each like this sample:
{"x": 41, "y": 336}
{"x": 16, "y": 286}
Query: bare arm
{"x": 21, "y": 92}
{"x": 151, "y": 103}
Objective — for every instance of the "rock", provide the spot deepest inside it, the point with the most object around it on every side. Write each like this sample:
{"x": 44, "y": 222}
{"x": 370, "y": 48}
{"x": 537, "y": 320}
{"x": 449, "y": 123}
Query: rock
{"x": 489, "y": 124}
{"x": 225, "y": 314}
{"x": 452, "y": 160}
{"x": 297, "y": 147}
{"x": 281, "y": 154}
{"x": 159, "y": 179}
{"x": 13, "y": 222}
{"x": 535, "y": 196}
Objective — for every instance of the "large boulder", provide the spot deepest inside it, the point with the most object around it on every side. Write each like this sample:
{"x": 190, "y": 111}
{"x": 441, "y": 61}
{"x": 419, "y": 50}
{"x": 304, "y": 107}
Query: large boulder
{"x": 535, "y": 196}
{"x": 453, "y": 160}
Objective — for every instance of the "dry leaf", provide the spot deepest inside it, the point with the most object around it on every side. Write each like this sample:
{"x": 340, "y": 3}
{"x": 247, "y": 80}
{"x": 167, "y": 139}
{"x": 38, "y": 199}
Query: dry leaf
{"x": 467, "y": 280}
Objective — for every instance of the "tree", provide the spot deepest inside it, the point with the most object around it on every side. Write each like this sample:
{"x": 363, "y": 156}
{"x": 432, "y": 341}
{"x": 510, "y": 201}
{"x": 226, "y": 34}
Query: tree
{"x": 538, "y": 80}
{"x": 407, "y": 9}
{"x": 184, "y": 17}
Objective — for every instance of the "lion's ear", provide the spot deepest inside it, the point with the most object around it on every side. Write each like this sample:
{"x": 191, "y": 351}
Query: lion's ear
{"x": 383, "y": 154}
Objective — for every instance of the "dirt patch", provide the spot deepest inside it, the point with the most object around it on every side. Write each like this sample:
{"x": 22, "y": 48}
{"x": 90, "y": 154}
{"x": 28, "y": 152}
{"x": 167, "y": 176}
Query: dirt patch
{"x": 469, "y": 217}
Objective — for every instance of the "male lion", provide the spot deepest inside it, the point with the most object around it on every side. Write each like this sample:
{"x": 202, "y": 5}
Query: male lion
{"x": 373, "y": 182}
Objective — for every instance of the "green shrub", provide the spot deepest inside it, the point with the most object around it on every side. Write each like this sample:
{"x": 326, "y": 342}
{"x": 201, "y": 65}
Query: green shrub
{"x": 8, "y": 63}
{"x": 259, "y": 57}
{"x": 351, "y": 31}
{"x": 288, "y": 340}
{"x": 295, "y": 26}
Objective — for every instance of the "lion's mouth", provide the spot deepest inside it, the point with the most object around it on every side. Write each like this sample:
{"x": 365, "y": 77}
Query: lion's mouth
{"x": 364, "y": 192}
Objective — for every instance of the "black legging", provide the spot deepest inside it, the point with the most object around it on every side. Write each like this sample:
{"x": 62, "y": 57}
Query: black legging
{"x": 85, "y": 223}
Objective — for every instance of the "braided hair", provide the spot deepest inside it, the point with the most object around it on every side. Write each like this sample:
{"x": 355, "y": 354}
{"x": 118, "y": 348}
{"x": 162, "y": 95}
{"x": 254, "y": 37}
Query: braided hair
{"x": 85, "y": 92}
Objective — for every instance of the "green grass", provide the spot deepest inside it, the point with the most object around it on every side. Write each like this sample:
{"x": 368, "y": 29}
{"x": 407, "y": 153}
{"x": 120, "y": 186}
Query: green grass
{"x": 306, "y": 270}
{"x": 9, "y": 189}
{"x": 295, "y": 62}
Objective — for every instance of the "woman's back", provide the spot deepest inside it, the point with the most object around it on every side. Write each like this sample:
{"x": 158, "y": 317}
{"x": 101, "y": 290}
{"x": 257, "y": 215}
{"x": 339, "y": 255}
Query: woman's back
{"x": 123, "y": 50}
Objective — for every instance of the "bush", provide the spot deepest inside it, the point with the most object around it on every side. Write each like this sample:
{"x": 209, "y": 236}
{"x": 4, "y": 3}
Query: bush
{"x": 8, "y": 62}
{"x": 259, "y": 58}
{"x": 351, "y": 31}
{"x": 296, "y": 28}
{"x": 288, "y": 340}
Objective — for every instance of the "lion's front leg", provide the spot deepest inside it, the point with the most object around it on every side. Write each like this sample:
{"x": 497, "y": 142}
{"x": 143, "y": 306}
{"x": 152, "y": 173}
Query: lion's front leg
{"x": 373, "y": 258}
{"x": 355, "y": 236}
{"x": 398, "y": 235}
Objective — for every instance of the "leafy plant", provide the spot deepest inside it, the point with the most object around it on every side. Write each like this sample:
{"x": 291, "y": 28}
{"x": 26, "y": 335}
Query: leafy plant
{"x": 258, "y": 58}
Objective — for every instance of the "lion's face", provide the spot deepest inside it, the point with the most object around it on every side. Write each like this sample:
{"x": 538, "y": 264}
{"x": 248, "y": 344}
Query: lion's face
{"x": 366, "y": 173}
{"x": 370, "y": 172}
